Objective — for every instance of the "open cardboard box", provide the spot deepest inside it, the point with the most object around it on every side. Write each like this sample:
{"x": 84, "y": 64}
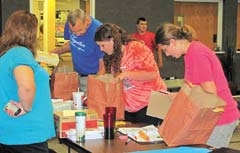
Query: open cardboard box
{"x": 161, "y": 101}
{"x": 159, "y": 104}
{"x": 48, "y": 58}
{"x": 191, "y": 108}
{"x": 65, "y": 120}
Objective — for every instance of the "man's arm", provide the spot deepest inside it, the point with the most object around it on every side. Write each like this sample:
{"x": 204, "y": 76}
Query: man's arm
{"x": 101, "y": 70}
{"x": 63, "y": 49}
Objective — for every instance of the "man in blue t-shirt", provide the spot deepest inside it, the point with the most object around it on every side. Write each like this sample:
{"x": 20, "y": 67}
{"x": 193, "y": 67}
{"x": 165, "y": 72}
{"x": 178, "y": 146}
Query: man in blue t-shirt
{"x": 87, "y": 57}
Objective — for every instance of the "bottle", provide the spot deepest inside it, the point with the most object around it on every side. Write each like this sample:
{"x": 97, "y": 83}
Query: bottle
{"x": 109, "y": 124}
{"x": 80, "y": 126}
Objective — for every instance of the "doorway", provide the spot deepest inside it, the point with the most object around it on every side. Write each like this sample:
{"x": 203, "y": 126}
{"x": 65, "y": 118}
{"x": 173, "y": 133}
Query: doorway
{"x": 202, "y": 16}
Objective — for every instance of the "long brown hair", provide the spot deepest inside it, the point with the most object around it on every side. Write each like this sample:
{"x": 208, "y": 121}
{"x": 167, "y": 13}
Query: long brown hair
{"x": 20, "y": 30}
{"x": 120, "y": 37}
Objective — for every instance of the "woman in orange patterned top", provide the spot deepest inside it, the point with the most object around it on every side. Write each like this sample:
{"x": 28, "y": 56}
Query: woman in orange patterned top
{"x": 132, "y": 62}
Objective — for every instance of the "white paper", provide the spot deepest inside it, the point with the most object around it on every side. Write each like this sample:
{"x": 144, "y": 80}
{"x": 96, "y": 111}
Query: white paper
{"x": 133, "y": 132}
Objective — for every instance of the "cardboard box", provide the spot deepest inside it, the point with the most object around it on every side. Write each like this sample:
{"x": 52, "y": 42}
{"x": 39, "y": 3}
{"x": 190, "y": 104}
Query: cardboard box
{"x": 65, "y": 120}
{"x": 189, "y": 111}
{"x": 159, "y": 104}
{"x": 60, "y": 106}
{"x": 48, "y": 58}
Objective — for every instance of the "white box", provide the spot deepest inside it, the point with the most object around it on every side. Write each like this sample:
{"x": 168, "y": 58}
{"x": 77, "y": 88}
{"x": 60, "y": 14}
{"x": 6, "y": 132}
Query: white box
{"x": 46, "y": 57}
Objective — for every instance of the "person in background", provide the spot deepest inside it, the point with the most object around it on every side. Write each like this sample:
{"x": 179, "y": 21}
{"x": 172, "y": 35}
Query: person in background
{"x": 148, "y": 37}
{"x": 24, "y": 85}
{"x": 86, "y": 55}
{"x": 132, "y": 62}
{"x": 40, "y": 39}
{"x": 202, "y": 67}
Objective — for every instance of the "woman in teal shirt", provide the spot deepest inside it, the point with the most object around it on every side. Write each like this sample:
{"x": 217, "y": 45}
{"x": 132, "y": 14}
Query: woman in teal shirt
{"x": 24, "y": 84}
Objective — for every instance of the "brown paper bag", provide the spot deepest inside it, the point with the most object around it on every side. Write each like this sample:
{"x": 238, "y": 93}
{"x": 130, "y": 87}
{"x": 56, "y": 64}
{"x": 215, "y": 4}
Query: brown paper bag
{"x": 102, "y": 92}
{"x": 63, "y": 84}
{"x": 191, "y": 117}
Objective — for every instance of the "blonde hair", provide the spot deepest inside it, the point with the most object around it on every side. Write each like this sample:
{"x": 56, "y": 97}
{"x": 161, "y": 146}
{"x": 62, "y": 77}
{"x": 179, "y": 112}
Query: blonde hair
{"x": 168, "y": 31}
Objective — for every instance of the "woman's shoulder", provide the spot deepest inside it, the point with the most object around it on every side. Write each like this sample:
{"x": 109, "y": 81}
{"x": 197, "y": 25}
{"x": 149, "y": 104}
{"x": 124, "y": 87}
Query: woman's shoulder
{"x": 134, "y": 46}
{"x": 136, "y": 43}
{"x": 21, "y": 54}
{"x": 197, "y": 47}
{"x": 20, "y": 51}
{"x": 199, "y": 44}
{"x": 137, "y": 48}
{"x": 198, "y": 51}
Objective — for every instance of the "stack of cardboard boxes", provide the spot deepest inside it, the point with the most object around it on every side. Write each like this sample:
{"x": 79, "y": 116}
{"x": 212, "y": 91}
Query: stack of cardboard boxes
{"x": 65, "y": 121}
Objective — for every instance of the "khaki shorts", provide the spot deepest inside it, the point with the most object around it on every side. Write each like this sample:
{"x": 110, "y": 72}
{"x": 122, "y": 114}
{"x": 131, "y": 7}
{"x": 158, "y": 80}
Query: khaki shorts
{"x": 221, "y": 135}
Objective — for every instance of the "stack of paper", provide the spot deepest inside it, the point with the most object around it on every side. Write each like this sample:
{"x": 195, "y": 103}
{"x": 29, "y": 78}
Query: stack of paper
{"x": 89, "y": 134}
{"x": 60, "y": 106}
{"x": 142, "y": 134}
{"x": 94, "y": 134}
{"x": 48, "y": 58}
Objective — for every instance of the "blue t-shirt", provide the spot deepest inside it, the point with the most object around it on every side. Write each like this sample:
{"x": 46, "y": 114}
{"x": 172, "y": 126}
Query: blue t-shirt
{"x": 37, "y": 125}
{"x": 85, "y": 52}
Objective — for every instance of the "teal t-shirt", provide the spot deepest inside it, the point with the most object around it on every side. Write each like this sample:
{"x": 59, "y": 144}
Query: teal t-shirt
{"x": 37, "y": 125}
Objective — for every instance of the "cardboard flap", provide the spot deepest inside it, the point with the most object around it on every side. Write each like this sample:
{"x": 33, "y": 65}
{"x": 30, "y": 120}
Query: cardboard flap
{"x": 202, "y": 98}
{"x": 186, "y": 89}
{"x": 159, "y": 104}
{"x": 46, "y": 57}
